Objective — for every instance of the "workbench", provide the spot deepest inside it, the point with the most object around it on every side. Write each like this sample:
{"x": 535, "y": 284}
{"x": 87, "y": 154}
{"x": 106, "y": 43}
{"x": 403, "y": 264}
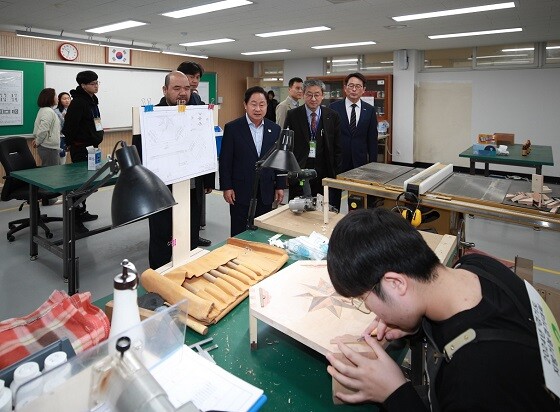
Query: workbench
{"x": 460, "y": 194}
{"x": 538, "y": 157}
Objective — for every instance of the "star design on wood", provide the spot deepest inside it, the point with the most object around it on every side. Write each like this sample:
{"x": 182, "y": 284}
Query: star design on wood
{"x": 323, "y": 295}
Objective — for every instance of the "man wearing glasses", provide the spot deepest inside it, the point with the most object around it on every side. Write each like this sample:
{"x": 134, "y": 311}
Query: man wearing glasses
{"x": 482, "y": 344}
{"x": 316, "y": 140}
{"x": 83, "y": 128}
{"x": 358, "y": 124}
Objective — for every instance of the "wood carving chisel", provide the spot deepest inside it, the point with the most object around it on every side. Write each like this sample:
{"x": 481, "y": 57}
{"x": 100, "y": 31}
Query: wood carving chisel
{"x": 222, "y": 284}
{"x": 207, "y": 295}
{"x": 236, "y": 274}
{"x": 202, "y": 283}
{"x": 254, "y": 268}
{"x": 243, "y": 269}
{"x": 237, "y": 284}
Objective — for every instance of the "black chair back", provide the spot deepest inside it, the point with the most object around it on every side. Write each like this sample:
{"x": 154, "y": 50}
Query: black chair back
{"x": 15, "y": 155}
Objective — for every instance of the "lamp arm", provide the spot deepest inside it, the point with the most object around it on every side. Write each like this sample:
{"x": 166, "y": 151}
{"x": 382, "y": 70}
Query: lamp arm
{"x": 253, "y": 202}
{"x": 89, "y": 187}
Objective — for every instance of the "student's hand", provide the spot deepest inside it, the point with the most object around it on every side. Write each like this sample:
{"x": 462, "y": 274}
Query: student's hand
{"x": 229, "y": 196}
{"x": 372, "y": 379}
{"x": 278, "y": 196}
{"x": 208, "y": 190}
{"x": 34, "y": 144}
{"x": 383, "y": 331}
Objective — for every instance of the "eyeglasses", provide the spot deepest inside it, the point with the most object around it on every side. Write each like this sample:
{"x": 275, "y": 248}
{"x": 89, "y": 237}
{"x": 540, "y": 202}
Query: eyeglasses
{"x": 360, "y": 303}
{"x": 95, "y": 83}
{"x": 313, "y": 96}
{"x": 354, "y": 86}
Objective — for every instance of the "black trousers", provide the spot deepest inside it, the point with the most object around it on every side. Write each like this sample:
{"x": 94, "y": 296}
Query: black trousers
{"x": 238, "y": 215}
{"x": 161, "y": 233}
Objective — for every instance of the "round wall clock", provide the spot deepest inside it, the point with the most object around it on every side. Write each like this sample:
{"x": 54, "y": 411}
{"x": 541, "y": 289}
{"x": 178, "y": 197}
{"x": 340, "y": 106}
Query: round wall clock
{"x": 68, "y": 51}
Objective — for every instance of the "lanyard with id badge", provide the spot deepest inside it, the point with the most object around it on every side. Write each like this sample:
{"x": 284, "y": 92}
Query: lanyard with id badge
{"x": 97, "y": 120}
{"x": 313, "y": 141}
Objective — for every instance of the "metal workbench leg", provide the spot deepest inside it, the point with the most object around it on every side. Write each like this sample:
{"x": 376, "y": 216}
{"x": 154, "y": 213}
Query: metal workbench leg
{"x": 539, "y": 169}
{"x": 253, "y": 331}
{"x": 33, "y": 221}
{"x": 472, "y": 168}
{"x": 70, "y": 264}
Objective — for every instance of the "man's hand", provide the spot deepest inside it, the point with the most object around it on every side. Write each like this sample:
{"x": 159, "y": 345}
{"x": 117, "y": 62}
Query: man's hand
{"x": 372, "y": 379}
{"x": 278, "y": 196}
{"x": 229, "y": 196}
{"x": 208, "y": 190}
{"x": 384, "y": 331}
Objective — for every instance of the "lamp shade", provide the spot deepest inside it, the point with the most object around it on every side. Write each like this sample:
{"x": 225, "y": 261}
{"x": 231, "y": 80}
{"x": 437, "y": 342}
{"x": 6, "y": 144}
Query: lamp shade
{"x": 138, "y": 192}
{"x": 282, "y": 158}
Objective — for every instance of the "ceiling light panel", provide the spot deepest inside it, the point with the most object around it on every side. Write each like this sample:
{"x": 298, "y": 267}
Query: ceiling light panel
{"x": 474, "y": 33}
{"x": 334, "y": 46}
{"x": 206, "y": 42}
{"x": 116, "y": 26}
{"x": 207, "y": 8}
{"x": 266, "y": 52}
{"x": 294, "y": 31}
{"x": 454, "y": 12}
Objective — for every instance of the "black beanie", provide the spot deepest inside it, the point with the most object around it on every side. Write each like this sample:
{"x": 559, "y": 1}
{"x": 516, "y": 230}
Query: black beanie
{"x": 86, "y": 77}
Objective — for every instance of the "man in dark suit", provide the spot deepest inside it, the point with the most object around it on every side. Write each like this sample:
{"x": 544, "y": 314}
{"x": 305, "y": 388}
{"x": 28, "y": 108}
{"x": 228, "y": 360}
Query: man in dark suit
{"x": 316, "y": 140}
{"x": 203, "y": 184}
{"x": 358, "y": 126}
{"x": 246, "y": 140}
{"x": 358, "y": 132}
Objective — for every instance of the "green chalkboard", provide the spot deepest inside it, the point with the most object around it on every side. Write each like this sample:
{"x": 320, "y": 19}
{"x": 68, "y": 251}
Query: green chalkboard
{"x": 212, "y": 80}
{"x": 33, "y": 83}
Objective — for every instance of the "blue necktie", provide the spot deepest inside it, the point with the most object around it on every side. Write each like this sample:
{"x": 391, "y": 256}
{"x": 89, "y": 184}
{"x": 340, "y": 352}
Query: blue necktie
{"x": 353, "y": 120}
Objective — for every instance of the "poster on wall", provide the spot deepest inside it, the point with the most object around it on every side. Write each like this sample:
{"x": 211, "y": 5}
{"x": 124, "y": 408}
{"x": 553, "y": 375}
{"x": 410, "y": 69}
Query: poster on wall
{"x": 11, "y": 97}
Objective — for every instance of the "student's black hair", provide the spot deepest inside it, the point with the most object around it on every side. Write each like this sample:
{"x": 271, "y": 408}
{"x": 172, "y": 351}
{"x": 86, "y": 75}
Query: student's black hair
{"x": 46, "y": 97}
{"x": 191, "y": 68}
{"x": 368, "y": 243}
{"x": 60, "y": 107}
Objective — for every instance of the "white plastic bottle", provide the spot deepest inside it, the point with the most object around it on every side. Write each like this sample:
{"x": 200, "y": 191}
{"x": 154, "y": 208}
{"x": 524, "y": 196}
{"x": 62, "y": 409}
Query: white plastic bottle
{"x": 23, "y": 374}
{"x": 60, "y": 375}
{"x": 5, "y": 398}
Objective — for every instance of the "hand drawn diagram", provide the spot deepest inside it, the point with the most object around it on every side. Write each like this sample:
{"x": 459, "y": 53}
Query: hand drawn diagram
{"x": 178, "y": 145}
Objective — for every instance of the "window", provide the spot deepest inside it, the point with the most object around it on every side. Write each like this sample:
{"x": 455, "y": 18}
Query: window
{"x": 552, "y": 52}
{"x": 448, "y": 58}
{"x": 506, "y": 55}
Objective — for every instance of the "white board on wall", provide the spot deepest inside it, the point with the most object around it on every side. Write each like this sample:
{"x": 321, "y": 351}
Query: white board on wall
{"x": 120, "y": 89}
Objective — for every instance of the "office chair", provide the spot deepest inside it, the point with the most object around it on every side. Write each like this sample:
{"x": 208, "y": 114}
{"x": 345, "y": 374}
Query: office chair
{"x": 15, "y": 155}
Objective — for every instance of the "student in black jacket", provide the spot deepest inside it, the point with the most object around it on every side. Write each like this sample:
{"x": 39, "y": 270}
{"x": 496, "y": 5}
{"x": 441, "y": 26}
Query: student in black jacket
{"x": 82, "y": 128}
{"x": 494, "y": 363}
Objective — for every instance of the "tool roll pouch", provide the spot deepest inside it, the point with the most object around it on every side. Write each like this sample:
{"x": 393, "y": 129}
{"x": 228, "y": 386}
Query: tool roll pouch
{"x": 218, "y": 281}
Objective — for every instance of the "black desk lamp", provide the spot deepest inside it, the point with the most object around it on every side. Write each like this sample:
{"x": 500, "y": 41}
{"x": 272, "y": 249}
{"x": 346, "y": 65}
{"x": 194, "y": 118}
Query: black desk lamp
{"x": 280, "y": 157}
{"x": 138, "y": 192}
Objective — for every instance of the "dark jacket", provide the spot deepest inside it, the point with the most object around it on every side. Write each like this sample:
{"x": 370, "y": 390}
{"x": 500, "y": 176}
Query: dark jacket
{"x": 79, "y": 126}
{"x": 361, "y": 148}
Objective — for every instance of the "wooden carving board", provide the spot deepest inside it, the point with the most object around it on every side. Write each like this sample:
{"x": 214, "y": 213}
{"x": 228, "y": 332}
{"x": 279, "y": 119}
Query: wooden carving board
{"x": 301, "y": 302}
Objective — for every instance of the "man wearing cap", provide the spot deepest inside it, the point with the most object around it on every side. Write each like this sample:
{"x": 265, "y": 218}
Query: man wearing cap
{"x": 83, "y": 128}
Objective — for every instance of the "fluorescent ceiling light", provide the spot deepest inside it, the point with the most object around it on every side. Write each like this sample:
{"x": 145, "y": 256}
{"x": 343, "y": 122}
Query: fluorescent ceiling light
{"x": 205, "y": 42}
{"x": 454, "y": 12}
{"x": 270, "y": 79}
{"x": 266, "y": 52}
{"x": 184, "y": 54}
{"x": 56, "y": 37}
{"x": 344, "y": 60}
{"x": 552, "y": 47}
{"x": 500, "y": 56}
{"x": 520, "y": 49}
{"x": 294, "y": 31}
{"x": 345, "y": 64}
{"x": 117, "y": 26}
{"x": 474, "y": 33}
{"x": 207, "y": 8}
{"x": 333, "y": 46}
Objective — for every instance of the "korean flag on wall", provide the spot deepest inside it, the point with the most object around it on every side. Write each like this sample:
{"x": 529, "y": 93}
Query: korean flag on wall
{"x": 118, "y": 55}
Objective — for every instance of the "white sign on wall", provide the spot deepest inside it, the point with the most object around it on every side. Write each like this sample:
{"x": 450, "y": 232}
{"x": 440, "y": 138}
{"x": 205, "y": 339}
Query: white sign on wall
{"x": 11, "y": 97}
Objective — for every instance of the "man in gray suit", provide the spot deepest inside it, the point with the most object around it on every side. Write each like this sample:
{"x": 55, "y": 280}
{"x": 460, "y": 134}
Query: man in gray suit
{"x": 295, "y": 92}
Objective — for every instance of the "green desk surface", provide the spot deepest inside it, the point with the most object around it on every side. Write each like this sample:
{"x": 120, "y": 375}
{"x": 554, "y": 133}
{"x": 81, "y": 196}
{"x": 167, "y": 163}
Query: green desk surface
{"x": 540, "y": 155}
{"x": 61, "y": 178}
{"x": 293, "y": 376}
